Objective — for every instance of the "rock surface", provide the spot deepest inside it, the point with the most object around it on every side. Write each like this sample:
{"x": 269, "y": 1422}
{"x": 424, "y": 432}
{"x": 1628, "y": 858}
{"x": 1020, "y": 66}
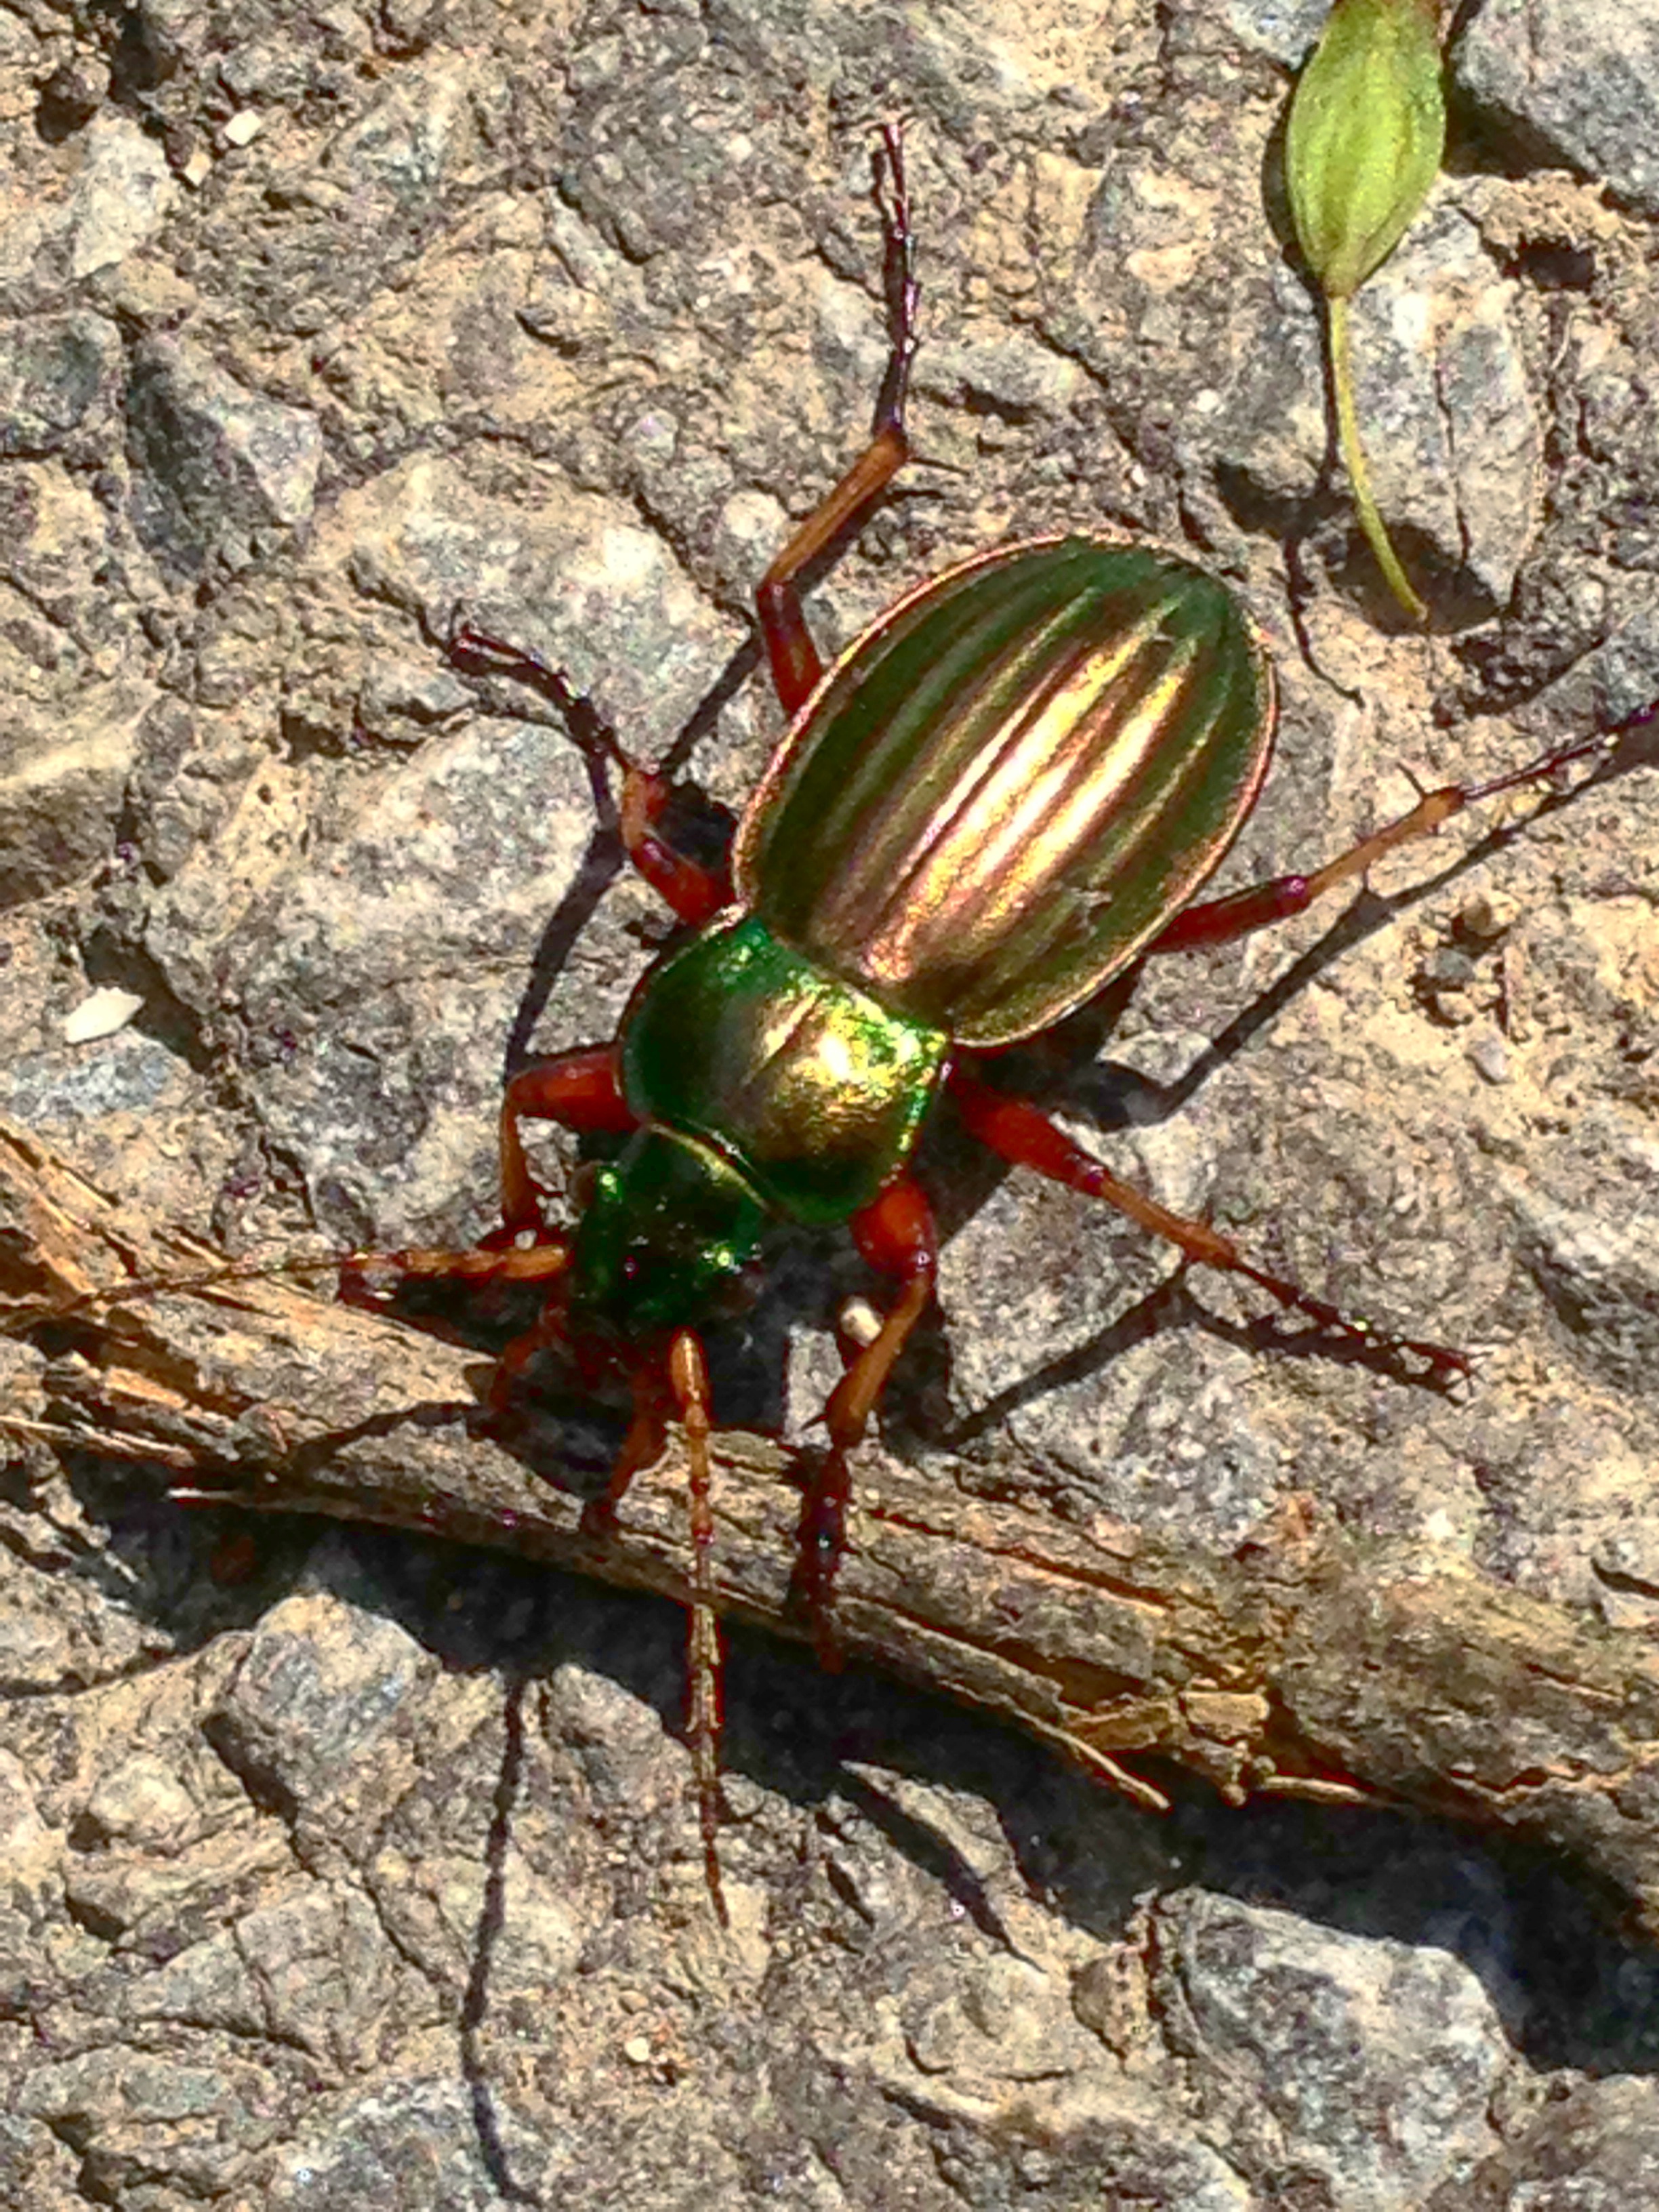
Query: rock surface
{"x": 345, "y": 1868}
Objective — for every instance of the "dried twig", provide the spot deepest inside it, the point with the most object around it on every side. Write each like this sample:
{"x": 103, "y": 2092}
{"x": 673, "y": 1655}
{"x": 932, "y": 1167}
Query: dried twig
{"x": 1304, "y": 1664}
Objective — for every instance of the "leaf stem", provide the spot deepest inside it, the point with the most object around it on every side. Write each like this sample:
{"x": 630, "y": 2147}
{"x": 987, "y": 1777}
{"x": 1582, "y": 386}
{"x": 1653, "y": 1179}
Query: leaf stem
{"x": 1354, "y": 460}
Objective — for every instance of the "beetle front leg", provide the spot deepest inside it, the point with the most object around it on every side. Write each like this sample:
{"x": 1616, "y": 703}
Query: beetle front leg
{"x": 679, "y": 1387}
{"x": 1023, "y": 1134}
{"x": 583, "y": 1091}
{"x": 1218, "y": 922}
{"x": 580, "y": 1091}
{"x": 897, "y": 1235}
{"x": 794, "y": 660}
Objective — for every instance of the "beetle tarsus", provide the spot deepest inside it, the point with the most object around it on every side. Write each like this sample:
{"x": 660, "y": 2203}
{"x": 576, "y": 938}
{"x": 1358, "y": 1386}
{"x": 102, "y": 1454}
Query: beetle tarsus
{"x": 1218, "y": 922}
{"x": 1024, "y": 1135}
{"x": 483, "y": 653}
{"x": 898, "y": 278}
{"x": 793, "y": 657}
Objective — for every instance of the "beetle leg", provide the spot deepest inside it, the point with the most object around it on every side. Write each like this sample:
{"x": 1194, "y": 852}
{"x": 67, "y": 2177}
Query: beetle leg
{"x": 647, "y": 1434}
{"x": 1023, "y": 1133}
{"x": 897, "y": 1235}
{"x": 1217, "y": 922}
{"x": 366, "y": 1277}
{"x": 794, "y": 660}
{"x": 582, "y": 1091}
{"x": 695, "y": 893}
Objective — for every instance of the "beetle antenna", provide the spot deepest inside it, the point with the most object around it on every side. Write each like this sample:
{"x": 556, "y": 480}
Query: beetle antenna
{"x": 688, "y": 1375}
{"x": 32, "y": 1312}
{"x": 366, "y": 1274}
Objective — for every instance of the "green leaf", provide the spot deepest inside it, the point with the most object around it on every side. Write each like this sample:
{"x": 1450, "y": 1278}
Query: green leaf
{"x": 1366, "y": 132}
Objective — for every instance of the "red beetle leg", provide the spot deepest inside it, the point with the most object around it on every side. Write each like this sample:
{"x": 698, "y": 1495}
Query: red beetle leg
{"x": 1217, "y": 922}
{"x": 693, "y": 893}
{"x": 679, "y": 1388}
{"x": 580, "y": 1091}
{"x": 796, "y": 667}
{"x": 1023, "y": 1133}
{"x": 897, "y": 1235}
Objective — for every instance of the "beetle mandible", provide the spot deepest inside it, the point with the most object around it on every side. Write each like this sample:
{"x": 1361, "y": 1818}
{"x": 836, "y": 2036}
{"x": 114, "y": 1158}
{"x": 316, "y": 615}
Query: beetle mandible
{"x": 1006, "y": 791}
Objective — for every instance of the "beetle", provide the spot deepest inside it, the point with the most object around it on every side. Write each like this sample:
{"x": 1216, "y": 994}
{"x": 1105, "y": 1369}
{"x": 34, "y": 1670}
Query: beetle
{"x": 1008, "y": 790}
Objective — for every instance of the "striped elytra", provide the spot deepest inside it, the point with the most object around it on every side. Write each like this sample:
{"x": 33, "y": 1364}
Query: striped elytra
{"x": 1012, "y": 782}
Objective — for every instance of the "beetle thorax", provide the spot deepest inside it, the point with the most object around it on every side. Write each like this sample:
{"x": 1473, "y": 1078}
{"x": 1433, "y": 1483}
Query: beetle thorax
{"x": 805, "y": 1085}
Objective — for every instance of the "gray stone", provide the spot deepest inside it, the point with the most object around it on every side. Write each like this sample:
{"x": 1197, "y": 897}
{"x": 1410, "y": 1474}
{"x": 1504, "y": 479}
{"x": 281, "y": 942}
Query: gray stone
{"x": 1594, "y": 2149}
{"x": 216, "y": 462}
{"x": 62, "y": 775}
{"x": 313, "y": 1972}
{"x": 412, "y": 2144}
{"x": 1602, "y": 1278}
{"x": 1286, "y": 29}
{"x": 55, "y": 371}
{"x": 1363, "y": 2067}
{"x": 123, "y": 193}
{"x": 137, "y": 2119}
{"x": 1574, "y": 82}
{"x": 314, "y": 1701}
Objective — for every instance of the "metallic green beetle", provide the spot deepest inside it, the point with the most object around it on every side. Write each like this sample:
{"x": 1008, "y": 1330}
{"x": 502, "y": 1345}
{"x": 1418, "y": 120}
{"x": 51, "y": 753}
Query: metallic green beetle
{"x": 1007, "y": 792}
{"x": 978, "y": 821}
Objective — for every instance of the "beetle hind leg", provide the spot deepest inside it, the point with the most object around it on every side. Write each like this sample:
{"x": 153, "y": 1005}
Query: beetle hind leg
{"x": 1023, "y": 1134}
{"x": 796, "y": 667}
{"x": 1218, "y": 922}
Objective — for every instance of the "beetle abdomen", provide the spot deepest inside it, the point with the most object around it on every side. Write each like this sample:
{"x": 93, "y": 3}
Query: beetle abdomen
{"x": 1011, "y": 782}
{"x": 814, "y": 1090}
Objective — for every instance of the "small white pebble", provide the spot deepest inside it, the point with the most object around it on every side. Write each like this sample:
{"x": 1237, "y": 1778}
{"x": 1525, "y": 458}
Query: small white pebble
{"x": 637, "y": 2049}
{"x": 859, "y": 1321}
{"x": 101, "y": 1015}
{"x": 244, "y": 127}
{"x": 199, "y": 168}
{"x": 1490, "y": 1056}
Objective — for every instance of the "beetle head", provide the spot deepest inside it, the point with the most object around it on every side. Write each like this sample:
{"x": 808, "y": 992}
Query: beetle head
{"x": 666, "y": 1239}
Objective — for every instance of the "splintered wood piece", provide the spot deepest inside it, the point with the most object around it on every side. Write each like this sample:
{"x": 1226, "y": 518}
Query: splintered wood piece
{"x": 1308, "y": 1663}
